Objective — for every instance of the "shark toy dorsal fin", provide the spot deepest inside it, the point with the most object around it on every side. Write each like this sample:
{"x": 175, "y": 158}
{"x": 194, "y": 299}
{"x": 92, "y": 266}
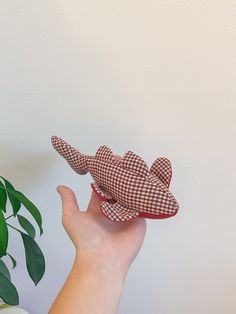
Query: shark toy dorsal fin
{"x": 134, "y": 163}
{"x": 104, "y": 153}
{"x": 161, "y": 167}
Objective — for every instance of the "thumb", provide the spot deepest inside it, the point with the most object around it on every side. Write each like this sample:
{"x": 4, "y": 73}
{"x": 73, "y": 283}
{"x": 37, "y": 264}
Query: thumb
{"x": 68, "y": 198}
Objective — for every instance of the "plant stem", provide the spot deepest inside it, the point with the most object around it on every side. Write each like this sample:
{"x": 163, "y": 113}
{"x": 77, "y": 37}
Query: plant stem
{"x": 14, "y": 228}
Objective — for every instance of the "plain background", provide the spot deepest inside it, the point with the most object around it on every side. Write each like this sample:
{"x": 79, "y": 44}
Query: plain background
{"x": 154, "y": 77}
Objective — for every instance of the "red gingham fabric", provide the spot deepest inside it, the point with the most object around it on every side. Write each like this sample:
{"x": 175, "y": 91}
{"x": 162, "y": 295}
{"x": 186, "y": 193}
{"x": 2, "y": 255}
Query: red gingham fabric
{"x": 128, "y": 188}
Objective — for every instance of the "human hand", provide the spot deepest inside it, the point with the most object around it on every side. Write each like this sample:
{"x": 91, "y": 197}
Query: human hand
{"x": 104, "y": 251}
{"x": 98, "y": 239}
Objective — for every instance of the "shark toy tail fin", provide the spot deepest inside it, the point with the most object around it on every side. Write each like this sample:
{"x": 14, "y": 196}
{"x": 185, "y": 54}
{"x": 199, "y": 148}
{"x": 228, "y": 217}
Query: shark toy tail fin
{"x": 162, "y": 169}
{"x": 75, "y": 159}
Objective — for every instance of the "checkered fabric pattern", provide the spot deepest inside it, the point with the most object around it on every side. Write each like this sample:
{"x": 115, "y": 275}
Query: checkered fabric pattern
{"x": 127, "y": 187}
{"x": 162, "y": 168}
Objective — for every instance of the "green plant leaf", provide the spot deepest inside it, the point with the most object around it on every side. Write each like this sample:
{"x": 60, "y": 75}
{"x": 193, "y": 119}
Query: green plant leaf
{"x": 8, "y": 292}
{"x": 13, "y": 260}
{"x": 29, "y": 206}
{"x": 3, "y": 197}
{"x": 35, "y": 261}
{"x": 3, "y": 235}
{"x": 4, "y": 270}
{"x": 15, "y": 203}
{"x": 26, "y": 225}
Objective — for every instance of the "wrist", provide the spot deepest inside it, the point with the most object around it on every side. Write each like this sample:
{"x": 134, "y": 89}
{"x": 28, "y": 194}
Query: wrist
{"x": 98, "y": 266}
{"x": 92, "y": 286}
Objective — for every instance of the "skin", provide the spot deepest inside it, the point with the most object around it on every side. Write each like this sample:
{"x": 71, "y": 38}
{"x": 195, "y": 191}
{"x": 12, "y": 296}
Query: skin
{"x": 105, "y": 250}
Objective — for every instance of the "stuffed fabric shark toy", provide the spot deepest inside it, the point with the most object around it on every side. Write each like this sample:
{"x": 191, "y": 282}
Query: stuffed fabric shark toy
{"x": 126, "y": 185}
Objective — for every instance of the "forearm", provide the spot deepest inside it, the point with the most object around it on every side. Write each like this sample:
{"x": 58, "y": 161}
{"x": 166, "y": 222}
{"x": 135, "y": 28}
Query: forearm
{"x": 92, "y": 287}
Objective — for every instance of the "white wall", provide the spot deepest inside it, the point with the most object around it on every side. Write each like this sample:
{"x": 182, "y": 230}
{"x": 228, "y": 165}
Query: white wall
{"x": 155, "y": 77}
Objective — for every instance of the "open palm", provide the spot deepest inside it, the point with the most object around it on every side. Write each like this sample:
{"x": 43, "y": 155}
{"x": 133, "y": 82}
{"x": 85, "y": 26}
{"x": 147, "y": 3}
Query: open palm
{"x": 95, "y": 237}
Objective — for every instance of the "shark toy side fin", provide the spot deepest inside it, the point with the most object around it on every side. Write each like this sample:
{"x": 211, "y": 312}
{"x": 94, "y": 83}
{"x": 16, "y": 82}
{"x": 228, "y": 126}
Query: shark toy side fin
{"x": 134, "y": 163}
{"x": 161, "y": 167}
{"x": 117, "y": 211}
{"x": 100, "y": 191}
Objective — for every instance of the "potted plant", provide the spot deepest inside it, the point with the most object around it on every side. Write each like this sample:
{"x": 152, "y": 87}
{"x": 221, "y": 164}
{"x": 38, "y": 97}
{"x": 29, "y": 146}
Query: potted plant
{"x": 35, "y": 261}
